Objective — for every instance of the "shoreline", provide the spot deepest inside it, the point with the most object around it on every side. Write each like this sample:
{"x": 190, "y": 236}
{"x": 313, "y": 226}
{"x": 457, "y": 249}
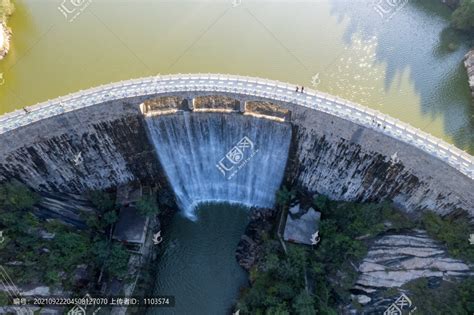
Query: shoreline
{"x": 469, "y": 65}
{"x": 5, "y": 37}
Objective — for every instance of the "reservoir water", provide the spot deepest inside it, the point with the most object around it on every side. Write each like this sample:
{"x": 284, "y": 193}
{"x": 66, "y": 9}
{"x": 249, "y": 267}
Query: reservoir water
{"x": 402, "y": 65}
{"x": 198, "y": 265}
{"x": 408, "y": 66}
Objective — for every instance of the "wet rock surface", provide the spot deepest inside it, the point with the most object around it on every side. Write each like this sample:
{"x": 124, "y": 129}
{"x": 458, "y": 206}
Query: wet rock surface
{"x": 249, "y": 248}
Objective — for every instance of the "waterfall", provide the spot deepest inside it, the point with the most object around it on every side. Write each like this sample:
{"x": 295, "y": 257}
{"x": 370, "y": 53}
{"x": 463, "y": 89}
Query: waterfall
{"x": 216, "y": 157}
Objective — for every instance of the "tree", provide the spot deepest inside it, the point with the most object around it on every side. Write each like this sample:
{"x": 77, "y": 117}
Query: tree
{"x": 102, "y": 200}
{"x": 109, "y": 218}
{"x": 284, "y": 196}
{"x": 71, "y": 249}
{"x": 15, "y": 200}
{"x": 15, "y": 196}
{"x": 147, "y": 205}
{"x": 321, "y": 202}
{"x": 303, "y": 304}
{"x": 463, "y": 16}
{"x": 117, "y": 262}
{"x": 452, "y": 232}
{"x": 113, "y": 257}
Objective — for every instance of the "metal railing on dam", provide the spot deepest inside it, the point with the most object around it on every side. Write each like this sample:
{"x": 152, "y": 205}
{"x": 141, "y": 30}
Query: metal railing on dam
{"x": 250, "y": 86}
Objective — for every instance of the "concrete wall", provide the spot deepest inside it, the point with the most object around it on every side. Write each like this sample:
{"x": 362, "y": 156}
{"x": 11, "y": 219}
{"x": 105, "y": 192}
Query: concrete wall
{"x": 330, "y": 155}
{"x": 349, "y": 162}
{"x": 96, "y": 147}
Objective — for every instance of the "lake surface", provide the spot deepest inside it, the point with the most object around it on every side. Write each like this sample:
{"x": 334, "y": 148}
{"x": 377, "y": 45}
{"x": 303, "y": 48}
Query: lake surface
{"x": 198, "y": 264}
{"x": 401, "y": 66}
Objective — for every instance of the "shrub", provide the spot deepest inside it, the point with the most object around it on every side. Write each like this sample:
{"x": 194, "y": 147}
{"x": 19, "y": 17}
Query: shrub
{"x": 147, "y": 205}
{"x": 463, "y": 16}
{"x": 109, "y": 218}
{"x": 284, "y": 196}
{"x": 321, "y": 202}
{"x": 15, "y": 196}
{"x": 114, "y": 257}
{"x": 117, "y": 263}
{"x": 453, "y": 233}
{"x": 448, "y": 298}
{"x": 103, "y": 201}
{"x": 70, "y": 249}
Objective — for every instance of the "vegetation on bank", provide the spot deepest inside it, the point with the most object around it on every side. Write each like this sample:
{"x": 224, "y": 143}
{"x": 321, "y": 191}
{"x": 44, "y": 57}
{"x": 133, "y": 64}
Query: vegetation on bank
{"x": 305, "y": 279}
{"x": 147, "y": 206}
{"x": 49, "y": 252}
{"x": 447, "y": 298}
{"x": 463, "y": 17}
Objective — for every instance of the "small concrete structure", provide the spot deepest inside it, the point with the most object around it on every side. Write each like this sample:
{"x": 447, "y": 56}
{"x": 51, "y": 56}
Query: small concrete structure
{"x": 68, "y": 208}
{"x": 301, "y": 229}
{"x": 131, "y": 228}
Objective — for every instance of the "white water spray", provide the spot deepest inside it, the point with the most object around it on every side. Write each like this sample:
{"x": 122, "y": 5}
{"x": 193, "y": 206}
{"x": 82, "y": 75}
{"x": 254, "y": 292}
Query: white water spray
{"x": 215, "y": 157}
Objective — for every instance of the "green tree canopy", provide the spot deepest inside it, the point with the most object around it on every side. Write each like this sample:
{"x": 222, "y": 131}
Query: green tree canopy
{"x": 463, "y": 16}
{"x": 147, "y": 205}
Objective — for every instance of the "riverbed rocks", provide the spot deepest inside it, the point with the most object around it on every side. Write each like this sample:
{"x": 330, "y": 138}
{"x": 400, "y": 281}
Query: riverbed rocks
{"x": 249, "y": 248}
{"x": 469, "y": 64}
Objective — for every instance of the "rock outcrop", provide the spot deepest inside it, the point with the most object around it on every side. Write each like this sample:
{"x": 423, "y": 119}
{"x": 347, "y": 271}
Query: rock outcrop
{"x": 5, "y": 36}
{"x": 394, "y": 260}
{"x": 469, "y": 64}
{"x": 249, "y": 248}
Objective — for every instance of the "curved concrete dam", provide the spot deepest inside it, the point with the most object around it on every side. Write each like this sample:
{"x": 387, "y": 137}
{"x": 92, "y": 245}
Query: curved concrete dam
{"x": 231, "y": 138}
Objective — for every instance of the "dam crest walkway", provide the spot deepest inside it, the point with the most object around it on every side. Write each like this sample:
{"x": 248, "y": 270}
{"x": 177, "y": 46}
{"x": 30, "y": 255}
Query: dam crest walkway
{"x": 252, "y": 87}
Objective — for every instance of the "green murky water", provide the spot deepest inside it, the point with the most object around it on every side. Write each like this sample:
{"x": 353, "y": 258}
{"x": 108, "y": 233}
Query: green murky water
{"x": 198, "y": 265}
{"x": 401, "y": 66}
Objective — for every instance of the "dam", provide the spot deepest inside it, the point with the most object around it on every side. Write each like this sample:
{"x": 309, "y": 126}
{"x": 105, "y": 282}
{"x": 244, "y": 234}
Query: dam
{"x": 178, "y": 126}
